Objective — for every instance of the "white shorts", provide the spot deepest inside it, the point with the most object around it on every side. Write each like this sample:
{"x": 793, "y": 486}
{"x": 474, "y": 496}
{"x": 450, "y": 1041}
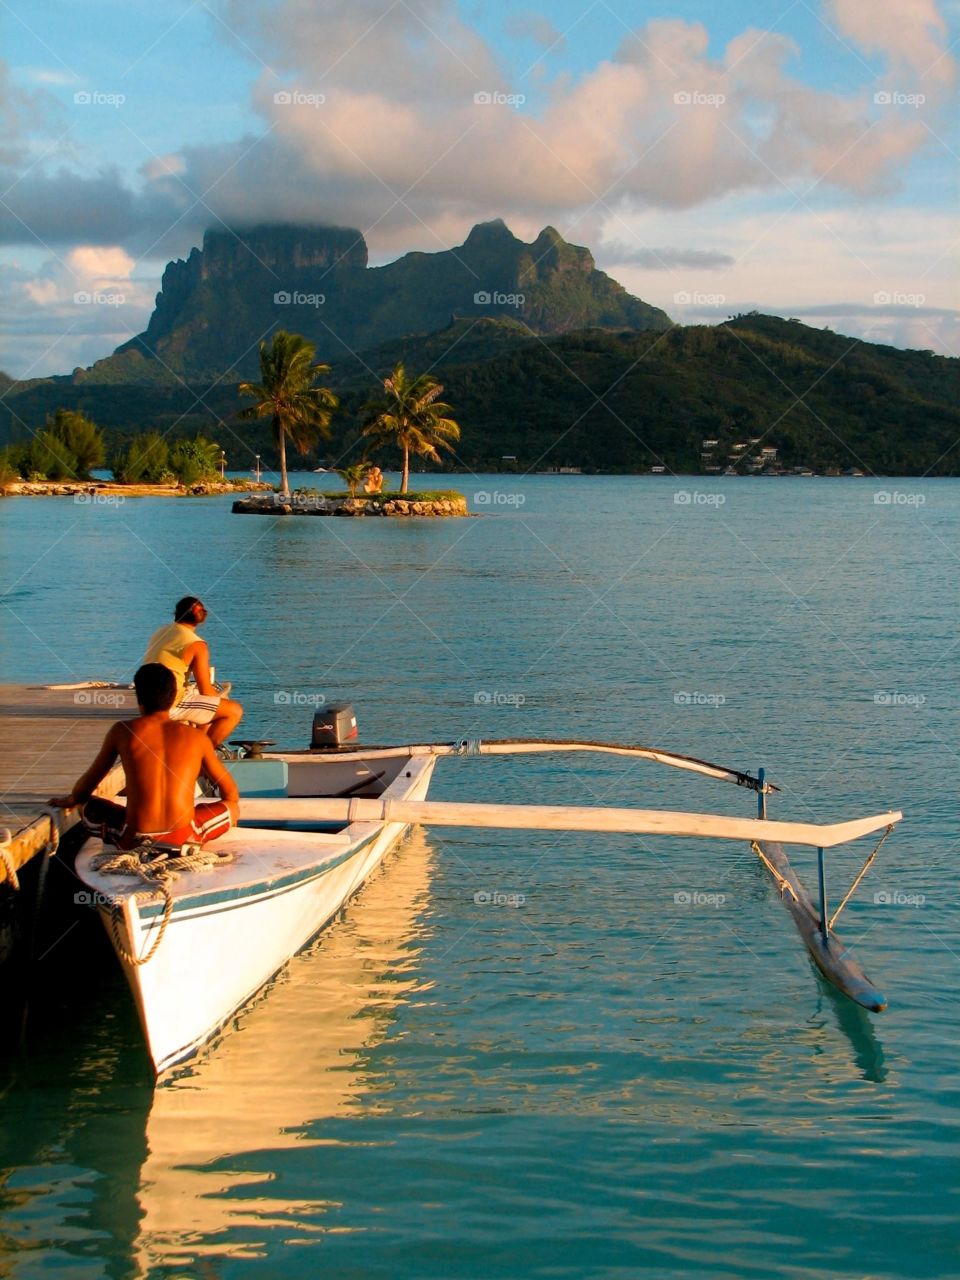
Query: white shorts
{"x": 196, "y": 708}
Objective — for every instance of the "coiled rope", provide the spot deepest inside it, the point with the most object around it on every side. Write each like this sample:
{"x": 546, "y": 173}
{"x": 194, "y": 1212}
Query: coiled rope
{"x": 157, "y": 866}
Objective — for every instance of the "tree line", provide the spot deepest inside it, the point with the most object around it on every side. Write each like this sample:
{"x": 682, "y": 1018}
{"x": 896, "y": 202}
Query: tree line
{"x": 407, "y": 416}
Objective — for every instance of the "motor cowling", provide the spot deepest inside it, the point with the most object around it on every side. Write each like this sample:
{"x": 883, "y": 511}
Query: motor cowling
{"x": 335, "y": 725}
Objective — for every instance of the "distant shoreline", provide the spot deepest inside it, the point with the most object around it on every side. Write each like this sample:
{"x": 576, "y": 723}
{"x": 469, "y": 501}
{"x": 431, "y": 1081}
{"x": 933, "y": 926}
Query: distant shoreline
{"x": 107, "y": 492}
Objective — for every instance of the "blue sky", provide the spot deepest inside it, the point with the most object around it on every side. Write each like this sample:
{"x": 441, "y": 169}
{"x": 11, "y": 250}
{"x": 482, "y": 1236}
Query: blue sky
{"x": 807, "y": 195}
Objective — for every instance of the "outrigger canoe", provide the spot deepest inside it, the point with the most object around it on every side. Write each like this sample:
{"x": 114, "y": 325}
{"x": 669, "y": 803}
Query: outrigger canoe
{"x": 199, "y": 942}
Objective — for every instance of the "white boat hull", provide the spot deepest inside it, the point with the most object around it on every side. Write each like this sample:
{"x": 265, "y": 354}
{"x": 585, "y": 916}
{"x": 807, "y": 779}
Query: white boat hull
{"x": 229, "y": 932}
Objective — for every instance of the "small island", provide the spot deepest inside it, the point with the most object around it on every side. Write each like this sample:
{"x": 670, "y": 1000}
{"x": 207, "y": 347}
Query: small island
{"x": 431, "y": 502}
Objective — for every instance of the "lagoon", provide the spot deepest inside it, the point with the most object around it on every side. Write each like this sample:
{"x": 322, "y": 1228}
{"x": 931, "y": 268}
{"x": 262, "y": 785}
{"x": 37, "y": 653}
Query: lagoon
{"x": 534, "y": 1054}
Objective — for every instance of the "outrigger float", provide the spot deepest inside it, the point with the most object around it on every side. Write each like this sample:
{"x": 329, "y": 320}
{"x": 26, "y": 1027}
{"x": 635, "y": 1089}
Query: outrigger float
{"x": 200, "y": 932}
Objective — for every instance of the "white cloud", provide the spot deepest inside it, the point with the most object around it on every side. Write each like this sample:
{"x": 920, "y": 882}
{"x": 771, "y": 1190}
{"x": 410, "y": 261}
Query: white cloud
{"x": 69, "y": 311}
{"x": 99, "y": 264}
{"x": 910, "y": 34}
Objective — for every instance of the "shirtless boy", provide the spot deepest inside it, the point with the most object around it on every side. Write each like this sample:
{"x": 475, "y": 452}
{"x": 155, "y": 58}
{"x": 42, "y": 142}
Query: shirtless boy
{"x": 162, "y": 760}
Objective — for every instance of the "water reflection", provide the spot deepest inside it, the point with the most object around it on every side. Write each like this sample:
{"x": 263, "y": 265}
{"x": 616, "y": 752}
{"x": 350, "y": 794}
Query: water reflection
{"x": 208, "y": 1185}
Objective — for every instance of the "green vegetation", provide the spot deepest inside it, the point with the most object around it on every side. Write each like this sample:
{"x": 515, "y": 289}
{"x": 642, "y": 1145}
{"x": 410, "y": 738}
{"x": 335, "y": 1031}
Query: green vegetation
{"x": 151, "y": 459}
{"x": 411, "y": 417}
{"x": 353, "y": 475}
{"x": 605, "y": 401}
{"x": 194, "y": 461}
{"x": 146, "y": 460}
{"x": 66, "y": 447}
{"x": 286, "y": 394}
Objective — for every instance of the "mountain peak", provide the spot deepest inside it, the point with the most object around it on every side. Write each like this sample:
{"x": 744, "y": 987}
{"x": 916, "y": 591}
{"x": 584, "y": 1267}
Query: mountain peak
{"x": 315, "y": 280}
{"x": 495, "y": 231}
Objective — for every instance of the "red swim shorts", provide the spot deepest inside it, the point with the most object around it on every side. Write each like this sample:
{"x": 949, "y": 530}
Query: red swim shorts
{"x": 107, "y": 820}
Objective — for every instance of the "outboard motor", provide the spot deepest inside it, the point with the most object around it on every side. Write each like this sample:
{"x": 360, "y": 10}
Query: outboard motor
{"x": 335, "y": 725}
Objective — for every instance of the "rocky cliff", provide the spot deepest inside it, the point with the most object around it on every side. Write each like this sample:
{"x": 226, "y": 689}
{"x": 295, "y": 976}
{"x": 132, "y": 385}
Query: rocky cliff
{"x": 213, "y": 308}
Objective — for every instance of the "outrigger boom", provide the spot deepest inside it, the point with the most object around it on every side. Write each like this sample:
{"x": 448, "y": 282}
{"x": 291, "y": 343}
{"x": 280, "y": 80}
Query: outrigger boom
{"x": 564, "y": 818}
{"x": 766, "y": 837}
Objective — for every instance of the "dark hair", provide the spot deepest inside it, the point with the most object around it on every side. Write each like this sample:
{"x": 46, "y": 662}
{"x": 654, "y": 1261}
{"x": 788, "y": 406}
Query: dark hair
{"x": 183, "y": 608}
{"x": 156, "y": 687}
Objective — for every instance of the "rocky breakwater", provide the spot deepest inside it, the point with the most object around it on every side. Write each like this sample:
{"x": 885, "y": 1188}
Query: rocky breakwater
{"x": 301, "y": 504}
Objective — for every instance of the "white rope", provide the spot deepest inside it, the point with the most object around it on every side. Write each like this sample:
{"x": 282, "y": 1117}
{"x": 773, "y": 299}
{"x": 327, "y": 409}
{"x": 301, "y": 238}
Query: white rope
{"x": 6, "y": 858}
{"x": 151, "y": 863}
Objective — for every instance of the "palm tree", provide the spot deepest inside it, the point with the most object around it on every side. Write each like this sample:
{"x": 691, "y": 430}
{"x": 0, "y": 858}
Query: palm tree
{"x": 412, "y": 418}
{"x": 286, "y": 394}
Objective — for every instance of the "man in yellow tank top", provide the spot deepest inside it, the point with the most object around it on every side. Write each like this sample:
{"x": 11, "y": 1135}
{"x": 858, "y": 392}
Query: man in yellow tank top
{"x": 178, "y": 647}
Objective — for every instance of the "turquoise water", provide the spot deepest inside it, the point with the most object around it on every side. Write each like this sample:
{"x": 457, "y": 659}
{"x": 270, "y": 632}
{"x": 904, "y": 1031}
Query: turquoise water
{"x": 601, "y": 1080}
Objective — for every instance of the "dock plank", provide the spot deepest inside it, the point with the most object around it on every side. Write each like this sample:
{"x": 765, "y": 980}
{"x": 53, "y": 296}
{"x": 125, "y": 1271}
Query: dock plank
{"x": 48, "y": 737}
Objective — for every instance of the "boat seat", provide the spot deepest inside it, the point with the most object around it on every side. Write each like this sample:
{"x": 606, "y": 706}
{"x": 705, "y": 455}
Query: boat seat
{"x": 263, "y": 778}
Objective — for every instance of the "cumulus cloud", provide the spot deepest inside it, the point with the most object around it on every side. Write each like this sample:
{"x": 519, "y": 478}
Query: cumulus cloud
{"x": 401, "y": 120}
{"x": 910, "y": 34}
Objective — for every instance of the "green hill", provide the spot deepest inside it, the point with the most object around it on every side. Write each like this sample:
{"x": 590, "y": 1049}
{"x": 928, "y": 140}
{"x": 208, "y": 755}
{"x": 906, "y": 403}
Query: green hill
{"x": 612, "y": 401}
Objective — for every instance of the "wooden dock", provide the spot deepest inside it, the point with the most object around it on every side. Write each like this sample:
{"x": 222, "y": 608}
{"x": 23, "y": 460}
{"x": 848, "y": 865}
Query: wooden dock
{"x": 48, "y": 737}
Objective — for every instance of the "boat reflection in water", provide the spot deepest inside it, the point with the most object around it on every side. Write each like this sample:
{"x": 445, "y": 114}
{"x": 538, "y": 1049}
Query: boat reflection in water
{"x": 295, "y": 1056}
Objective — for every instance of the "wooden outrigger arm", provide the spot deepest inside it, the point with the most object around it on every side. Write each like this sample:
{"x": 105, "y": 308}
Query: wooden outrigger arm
{"x": 765, "y": 837}
{"x": 440, "y": 813}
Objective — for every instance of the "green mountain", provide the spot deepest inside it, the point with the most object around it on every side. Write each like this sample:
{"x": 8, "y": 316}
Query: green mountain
{"x": 611, "y": 401}
{"x": 213, "y": 308}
